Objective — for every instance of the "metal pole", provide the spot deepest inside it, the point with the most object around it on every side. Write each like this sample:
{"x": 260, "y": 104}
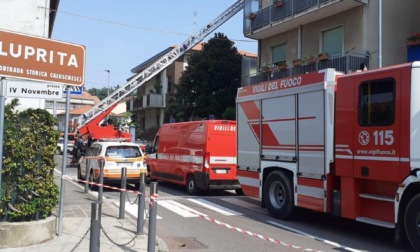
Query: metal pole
{"x": 2, "y": 102}
{"x": 86, "y": 176}
{"x": 95, "y": 227}
{"x": 101, "y": 180}
{"x": 123, "y": 193}
{"x": 141, "y": 203}
{"x": 152, "y": 217}
{"x": 64, "y": 164}
{"x": 380, "y": 34}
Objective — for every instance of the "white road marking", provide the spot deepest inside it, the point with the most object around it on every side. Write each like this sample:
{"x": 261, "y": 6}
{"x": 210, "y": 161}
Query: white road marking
{"x": 214, "y": 207}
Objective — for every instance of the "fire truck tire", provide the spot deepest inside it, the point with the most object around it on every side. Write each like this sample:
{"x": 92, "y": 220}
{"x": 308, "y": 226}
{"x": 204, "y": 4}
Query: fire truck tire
{"x": 278, "y": 195}
{"x": 91, "y": 179}
{"x": 412, "y": 222}
{"x": 191, "y": 185}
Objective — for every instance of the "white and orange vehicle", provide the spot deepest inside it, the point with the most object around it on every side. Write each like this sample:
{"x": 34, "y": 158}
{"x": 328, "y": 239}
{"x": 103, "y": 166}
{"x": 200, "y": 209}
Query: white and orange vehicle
{"x": 348, "y": 145}
{"x": 114, "y": 155}
{"x": 200, "y": 155}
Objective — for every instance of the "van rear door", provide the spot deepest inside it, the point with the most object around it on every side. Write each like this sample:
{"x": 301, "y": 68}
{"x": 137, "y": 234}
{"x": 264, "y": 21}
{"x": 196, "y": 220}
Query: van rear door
{"x": 221, "y": 150}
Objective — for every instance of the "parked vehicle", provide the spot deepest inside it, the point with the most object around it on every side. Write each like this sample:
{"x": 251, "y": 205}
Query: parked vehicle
{"x": 115, "y": 155}
{"x": 199, "y": 155}
{"x": 60, "y": 146}
{"x": 347, "y": 145}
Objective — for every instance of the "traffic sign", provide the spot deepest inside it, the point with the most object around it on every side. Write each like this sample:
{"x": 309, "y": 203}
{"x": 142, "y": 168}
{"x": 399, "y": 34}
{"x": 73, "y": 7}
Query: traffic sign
{"x": 73, "y": 90}
{"x": 28, "y": 57}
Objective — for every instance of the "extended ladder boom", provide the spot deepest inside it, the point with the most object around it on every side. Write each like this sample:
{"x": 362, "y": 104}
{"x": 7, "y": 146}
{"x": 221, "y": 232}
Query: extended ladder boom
{"x": 163, "y": 62}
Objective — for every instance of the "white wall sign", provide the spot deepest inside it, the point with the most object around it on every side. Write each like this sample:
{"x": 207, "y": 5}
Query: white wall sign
{"x": 27, "y": 89}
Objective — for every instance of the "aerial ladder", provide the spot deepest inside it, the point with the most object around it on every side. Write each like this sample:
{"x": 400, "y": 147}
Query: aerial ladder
{"x": 105, "y": 106}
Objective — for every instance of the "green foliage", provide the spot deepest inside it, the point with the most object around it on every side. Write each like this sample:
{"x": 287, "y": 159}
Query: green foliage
{"x": 209, "y": 83}
{"x": 28, "y": 188}
{"x": 230, "y": 113}
{"x": 101, "y": 93}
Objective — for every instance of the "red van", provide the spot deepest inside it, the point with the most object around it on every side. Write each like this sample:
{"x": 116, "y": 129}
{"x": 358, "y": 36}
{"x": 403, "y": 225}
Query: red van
{"x": 200, "y": 155}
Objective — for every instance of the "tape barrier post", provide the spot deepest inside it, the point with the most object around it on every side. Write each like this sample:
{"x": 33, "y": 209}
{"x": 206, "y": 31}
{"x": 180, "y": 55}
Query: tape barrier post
{"x": 152, "y": 217}
{"x": 86, "y": 176}
{"x": 123, "y": 193}
{"x": 95, "y": 227}
{"x": 141, "y": 203}
{"x": 101, "y": 180}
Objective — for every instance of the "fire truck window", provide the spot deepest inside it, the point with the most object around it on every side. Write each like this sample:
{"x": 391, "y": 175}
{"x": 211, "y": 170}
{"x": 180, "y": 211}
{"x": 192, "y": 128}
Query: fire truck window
{"x": 377, "y": 103}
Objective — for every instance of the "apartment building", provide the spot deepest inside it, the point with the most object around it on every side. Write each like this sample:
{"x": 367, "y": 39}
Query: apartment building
{"x": 151, "y": 99}
{"x": 347, "y": 35}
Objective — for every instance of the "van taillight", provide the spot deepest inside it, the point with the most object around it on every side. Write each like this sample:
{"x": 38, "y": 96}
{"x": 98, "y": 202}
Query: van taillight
{"x": 207, "y": 160}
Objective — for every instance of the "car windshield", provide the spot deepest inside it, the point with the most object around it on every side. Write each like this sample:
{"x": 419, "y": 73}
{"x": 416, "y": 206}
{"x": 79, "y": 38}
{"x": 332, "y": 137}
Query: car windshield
{"x": 123, "y": 151}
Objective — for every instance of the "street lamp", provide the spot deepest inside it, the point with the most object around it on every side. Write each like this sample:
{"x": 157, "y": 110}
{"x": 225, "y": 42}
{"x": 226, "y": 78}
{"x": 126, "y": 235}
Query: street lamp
{"x": 109, "y": 72}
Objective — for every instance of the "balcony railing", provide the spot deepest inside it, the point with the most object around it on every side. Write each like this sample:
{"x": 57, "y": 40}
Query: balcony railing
{"x": 294, "y": 9}
{"x": 148, "y": 101}
{"x": 345, "y": 64}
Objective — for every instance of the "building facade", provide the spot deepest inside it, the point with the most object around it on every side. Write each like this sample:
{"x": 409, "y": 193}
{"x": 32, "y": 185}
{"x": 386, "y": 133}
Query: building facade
{"x": 353, "y": 34}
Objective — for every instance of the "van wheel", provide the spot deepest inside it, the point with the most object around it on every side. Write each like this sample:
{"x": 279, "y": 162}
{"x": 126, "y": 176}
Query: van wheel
{"x": 278, "y": 195}
{"x": 412, "y": 222}
{"x": 239, "y": 192}
{"x": 58, "y": 151}
{"x": 92, "y": 180}
{"x": 191, "y": 185}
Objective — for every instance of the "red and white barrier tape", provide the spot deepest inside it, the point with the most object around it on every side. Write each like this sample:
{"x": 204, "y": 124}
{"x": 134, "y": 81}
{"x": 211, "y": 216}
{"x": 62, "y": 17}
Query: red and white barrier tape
{"x": 102, "y": 185}
{"x": 154, "y": 197}
{"x": 262, "y": 237}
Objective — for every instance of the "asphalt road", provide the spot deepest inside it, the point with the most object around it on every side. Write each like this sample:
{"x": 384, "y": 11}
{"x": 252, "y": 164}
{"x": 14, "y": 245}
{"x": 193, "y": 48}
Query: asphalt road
{"x": 224, "y": 221}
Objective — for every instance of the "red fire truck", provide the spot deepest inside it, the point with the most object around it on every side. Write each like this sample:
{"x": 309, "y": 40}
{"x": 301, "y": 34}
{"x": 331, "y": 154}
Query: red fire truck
{"x": 348, "y": 145}
{"x": 197, "y": 154}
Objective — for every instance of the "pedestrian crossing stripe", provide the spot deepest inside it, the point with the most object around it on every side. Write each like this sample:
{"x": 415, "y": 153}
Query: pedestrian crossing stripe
{"x": 73, "y": 90}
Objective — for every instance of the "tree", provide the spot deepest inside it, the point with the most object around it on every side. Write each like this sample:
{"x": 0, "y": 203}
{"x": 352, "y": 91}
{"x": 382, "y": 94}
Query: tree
{"x": 103, "y": 92}
{"x": 209, "y": 84}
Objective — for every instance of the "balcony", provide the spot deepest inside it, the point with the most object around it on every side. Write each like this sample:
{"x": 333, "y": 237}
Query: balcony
{"x": 148, "y": 101}
{"x": 345, "y": 64}
{"x": 274, "y": 20}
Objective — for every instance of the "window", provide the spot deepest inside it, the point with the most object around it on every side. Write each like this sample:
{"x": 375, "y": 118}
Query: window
{"x": 332, "y": 41}
{"x": 279, "y": 54}
{"x": 377, "y": 103}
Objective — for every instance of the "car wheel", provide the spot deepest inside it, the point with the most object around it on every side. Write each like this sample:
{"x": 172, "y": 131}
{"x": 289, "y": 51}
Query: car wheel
{"x": 278, "y": 195}
{"x": 58, "y": 151}
{"x": 191, "y": 185}
{"x": 92, "y": 180}
{"x": 412, "y": 222}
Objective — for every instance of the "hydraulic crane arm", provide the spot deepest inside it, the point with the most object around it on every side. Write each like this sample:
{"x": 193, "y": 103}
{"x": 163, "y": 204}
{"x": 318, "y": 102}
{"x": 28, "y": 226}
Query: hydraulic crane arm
{"x": 157, "y": 66}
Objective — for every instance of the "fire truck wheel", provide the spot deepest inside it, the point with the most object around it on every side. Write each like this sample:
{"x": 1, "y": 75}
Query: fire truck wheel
{"x": 191, "y": 185}
{"x": 412, "y": 222}
{"x": 278, "y": 195}
{"x": 92, "y": 180}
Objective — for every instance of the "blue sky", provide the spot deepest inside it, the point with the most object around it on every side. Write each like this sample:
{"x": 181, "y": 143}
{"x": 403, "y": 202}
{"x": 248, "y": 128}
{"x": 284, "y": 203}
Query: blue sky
{"x": 119, "y": 35}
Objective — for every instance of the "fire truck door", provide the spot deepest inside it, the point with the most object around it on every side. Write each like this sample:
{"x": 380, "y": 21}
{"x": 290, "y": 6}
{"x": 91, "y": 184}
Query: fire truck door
{"x": 311, "y": 133}
{"x": 377, "y": 126}
{"x": 278, "y": 129}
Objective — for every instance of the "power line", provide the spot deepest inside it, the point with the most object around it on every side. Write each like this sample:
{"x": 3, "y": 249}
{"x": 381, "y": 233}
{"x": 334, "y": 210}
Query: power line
{"x": 132, "y": 26}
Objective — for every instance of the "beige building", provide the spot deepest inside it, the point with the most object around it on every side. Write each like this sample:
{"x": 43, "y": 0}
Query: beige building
{"x": 149, "y": 103}
{"x": 354, "y": 33}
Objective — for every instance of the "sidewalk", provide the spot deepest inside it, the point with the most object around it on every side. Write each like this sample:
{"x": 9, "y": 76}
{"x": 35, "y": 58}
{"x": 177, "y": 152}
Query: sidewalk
{"x": 115, "y": 234}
